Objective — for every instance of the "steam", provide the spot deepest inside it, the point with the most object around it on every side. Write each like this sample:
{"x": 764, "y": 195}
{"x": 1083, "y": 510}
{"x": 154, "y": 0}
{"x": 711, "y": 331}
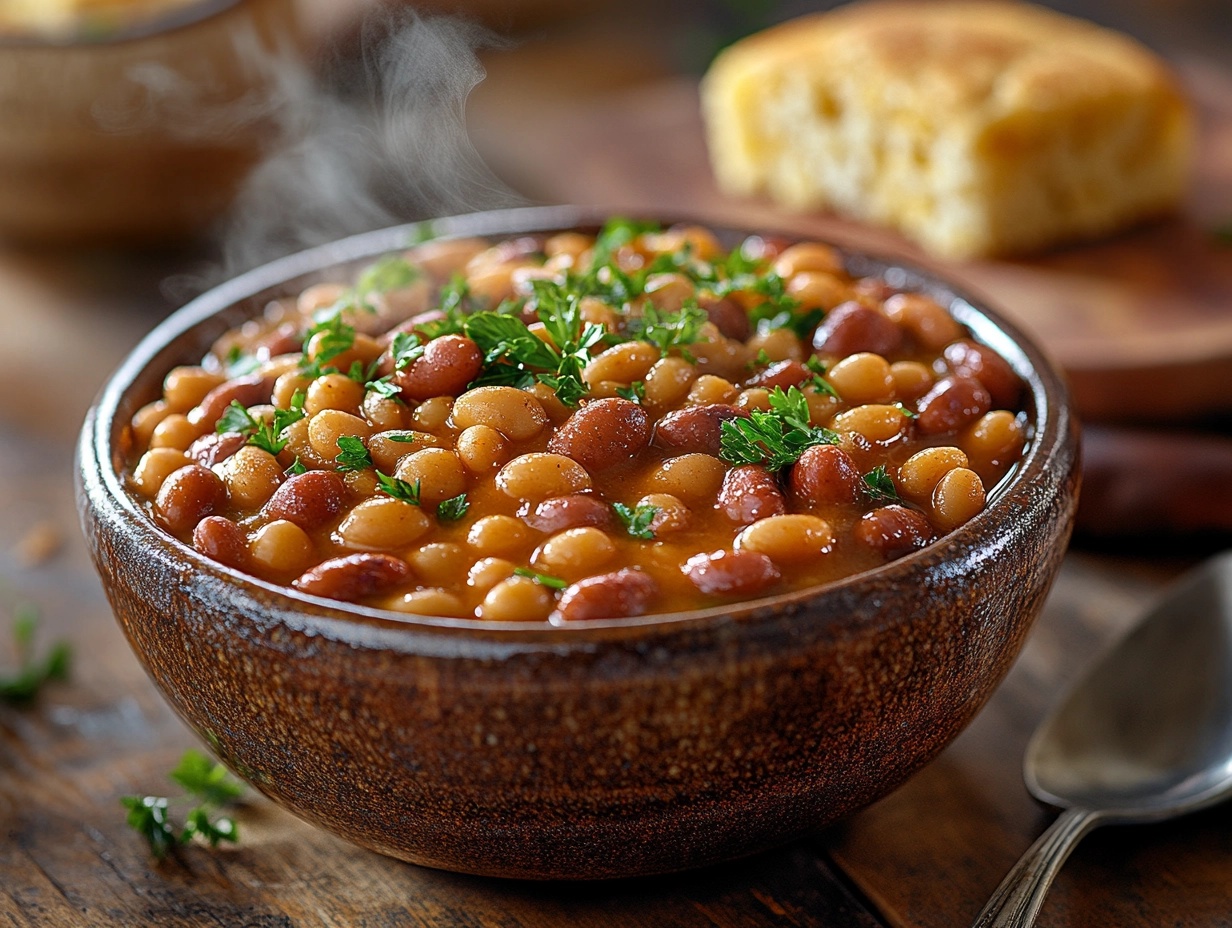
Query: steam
{"x": 385, "y": 143}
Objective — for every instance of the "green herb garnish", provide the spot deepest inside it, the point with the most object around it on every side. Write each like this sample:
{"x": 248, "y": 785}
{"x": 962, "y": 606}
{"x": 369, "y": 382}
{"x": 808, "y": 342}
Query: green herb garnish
{"x": 406, "y": 350}
{"x": 297, "y": 467}
{"x": 264, "y": 435}
{"x": 201, "y": 779}
{"x": 32, "y": 672}
{"x": 637, "y": 520}
{"x": 818, "y": 380}
{"x": 554, "y": 583}
{"x": 634, "y": 392}
{"x": 385, "y": 387}
{"x": 391, "y": 272}
{"x": 776, "y": 438}
{"x": 668, "y": 330}
{"x": 879, "y": 487}
{"x": 453, "y": 509}
{"x": 398, "y": 489}
{"x": 352, "y": 454}
{"x": 336, "y": 338}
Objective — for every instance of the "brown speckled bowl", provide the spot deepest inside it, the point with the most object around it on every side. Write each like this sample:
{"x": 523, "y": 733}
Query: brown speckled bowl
{"x": 613, "y": 749}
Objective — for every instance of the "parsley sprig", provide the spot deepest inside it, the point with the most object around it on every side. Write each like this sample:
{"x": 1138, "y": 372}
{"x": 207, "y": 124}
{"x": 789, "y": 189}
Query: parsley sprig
{"x": 398, "y": 489}
{"x": 453, "y": 509}
{"x": 776, "y": 438}
{"x": 667, "y": 330}
{"x": 637, "y": 520}
{"x": 32, "y": 672}
{"x": 879, "y": 487}
{"x": 202, "y": 779}
{"x": 515, "y": 356}
{"x": 352, "y": 455}
{"x": 266, "y": 435}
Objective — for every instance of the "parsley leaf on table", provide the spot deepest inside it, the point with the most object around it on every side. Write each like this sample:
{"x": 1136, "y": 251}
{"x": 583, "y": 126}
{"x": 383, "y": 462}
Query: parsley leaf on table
{"x": 202, "y": 779}
{"x": 32, "y": 672}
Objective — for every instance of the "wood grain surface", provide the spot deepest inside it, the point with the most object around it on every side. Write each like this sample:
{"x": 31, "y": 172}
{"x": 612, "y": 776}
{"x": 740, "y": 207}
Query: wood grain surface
{"x": 1142, "y": 322}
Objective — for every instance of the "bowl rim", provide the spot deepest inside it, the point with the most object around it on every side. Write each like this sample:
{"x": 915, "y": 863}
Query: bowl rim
{"x": 1048, "y": 399}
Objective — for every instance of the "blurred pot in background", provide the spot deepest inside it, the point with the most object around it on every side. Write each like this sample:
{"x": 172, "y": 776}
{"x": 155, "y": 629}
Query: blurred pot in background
{"x": 140, "y": 129}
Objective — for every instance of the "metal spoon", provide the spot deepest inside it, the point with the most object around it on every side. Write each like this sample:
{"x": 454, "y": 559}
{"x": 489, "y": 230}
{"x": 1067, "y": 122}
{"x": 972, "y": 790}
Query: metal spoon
{"x": 1145, "y": 736}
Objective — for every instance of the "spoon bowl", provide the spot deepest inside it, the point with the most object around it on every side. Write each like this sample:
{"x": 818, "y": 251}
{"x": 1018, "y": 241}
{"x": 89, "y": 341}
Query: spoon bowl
{"x": 1146, "y": 735}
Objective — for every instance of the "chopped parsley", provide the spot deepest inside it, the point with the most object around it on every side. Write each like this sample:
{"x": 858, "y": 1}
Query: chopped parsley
{"x": 668, "y": 330}
{"x": 210, "y": 784}
{"x": 352, "y": 454}
{"x": 32, "y": 672}
{"x": 398, "y": 489}
{"x": 406, "y": 350}
{"x": 637, "y": 520}
{"x": 818, "y": 380}
{"x": 385, "y": 387}
{"x": 634, "y": 392}
{"x": 453, "y": 509}
{"x": 391, "y": 272}
{"x": 553, "y": 583}
{"x": 879, "y": 487}
{"x": 336, "y": 337}
{"x": 265, "y": 435}
{"x": 776, "y": 438}
{"x": 297, "y": 467}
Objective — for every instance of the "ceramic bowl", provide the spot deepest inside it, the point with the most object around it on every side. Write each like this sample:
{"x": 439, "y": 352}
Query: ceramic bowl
{"x": 143, "y": 136}
{"x": 612, "y": 749}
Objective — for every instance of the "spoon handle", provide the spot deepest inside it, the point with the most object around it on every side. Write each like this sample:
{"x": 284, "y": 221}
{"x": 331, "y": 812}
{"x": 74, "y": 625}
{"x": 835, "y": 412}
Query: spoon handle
{"x": 1018, "y": 899}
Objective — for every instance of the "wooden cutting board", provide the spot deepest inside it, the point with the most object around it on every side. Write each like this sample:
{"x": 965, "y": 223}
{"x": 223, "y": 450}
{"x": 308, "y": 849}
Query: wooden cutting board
{"x": 1141, "y": 322}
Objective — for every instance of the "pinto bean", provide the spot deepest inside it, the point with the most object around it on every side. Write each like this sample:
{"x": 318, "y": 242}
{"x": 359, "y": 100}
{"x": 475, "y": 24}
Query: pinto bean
{"x": 353, "y": 577}
{"x": 309, "y": 499}
{"x": 749, "y": 493}
{"x": 969, "y": 359}
{"x": 187, "y": 496}
{"x": 728, "y": 317}
{"x": 782, "y": 374}
{"x": 565, "y": 512}
{"x": 952, "y": 403}
{"x": 850, "y": 328}
{"x": 448, "y": 364}
{"x": 221, "y": 540}
{"x": 603, "y": 433}
{"x": 214, "y": 448}
{"x": 731, "y": 573}
{"x": 697, "y": 429}
{"x": 617, "y": 595}
{"x": 252, "y": 390}
{"x": 825, "y": 474}
{"x": 893, "y": 531}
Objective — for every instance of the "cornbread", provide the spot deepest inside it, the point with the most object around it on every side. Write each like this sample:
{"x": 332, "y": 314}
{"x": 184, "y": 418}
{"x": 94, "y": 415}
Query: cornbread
{"x": 976, "y": 128}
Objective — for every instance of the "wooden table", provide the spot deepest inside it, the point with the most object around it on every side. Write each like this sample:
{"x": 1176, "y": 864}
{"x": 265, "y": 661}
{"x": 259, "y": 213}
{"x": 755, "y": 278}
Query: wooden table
{"x": 928, "y": 855}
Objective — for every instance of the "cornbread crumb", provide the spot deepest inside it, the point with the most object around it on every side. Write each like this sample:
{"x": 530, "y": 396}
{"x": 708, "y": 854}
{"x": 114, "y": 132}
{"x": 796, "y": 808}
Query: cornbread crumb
{"x": 974, "y": 127}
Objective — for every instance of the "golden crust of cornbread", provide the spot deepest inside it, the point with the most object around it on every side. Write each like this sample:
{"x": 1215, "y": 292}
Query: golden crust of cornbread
{"x": 976, "y": 128}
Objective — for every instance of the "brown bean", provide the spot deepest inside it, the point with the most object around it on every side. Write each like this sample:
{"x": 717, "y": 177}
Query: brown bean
{"x": 617, "y": 595}
{"x": 728, "y": 317}
{"x": 448, "y": 364}
{"x": 697, "y": 429}
{"x": 565, "y": 512}
{"x": 252, "y": 390}
{"x": 221, "y": 540}
{"x": 309, "y": 499}
{"x": 893, "y": 531}
{"x": 782, "y": 374}
{"x": 214, "y": 448}
{"x": 825, "y": 474}
{"x": 749, "y": 493}
{"x": 952, "y": 403}
{"x": 850, "y": 328}
{"x": 187, "y": 496}
{"x": 731, "y": 573}
{"x": 979, "y": 362}
{"x": 603, "y": 433}
{"x": 353, "y": 577}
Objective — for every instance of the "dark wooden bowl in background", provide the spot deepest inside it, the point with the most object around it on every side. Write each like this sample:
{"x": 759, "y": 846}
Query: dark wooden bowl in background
{"x": 611, "y": 749}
